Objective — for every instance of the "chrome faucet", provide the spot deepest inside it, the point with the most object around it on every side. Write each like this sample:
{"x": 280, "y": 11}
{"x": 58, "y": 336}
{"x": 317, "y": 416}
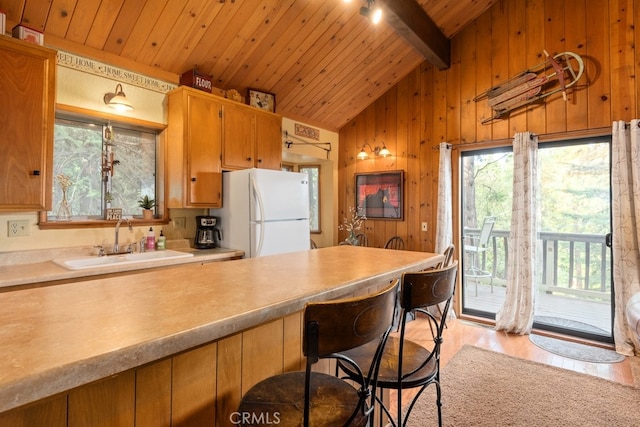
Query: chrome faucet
{"x": 116, "y": 245}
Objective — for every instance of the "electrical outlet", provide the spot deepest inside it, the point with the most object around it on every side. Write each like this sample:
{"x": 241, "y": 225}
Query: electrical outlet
{"x": 180, "y": 222}
{"x": 424, "y": 226}
{"x": 18, "y": 227}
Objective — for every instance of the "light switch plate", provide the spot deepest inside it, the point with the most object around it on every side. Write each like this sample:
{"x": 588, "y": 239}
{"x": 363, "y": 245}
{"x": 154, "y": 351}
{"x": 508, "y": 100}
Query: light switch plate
{"x": 424, "y": 226}
{"x": 18, "y": 227}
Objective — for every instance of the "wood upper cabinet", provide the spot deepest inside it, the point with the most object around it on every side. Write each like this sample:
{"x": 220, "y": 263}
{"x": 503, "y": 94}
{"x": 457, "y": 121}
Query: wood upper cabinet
{"x": 268, "y": 141}
{"x": 27, "y": 102}
{"x": 194, "y": 175}
{"x": 239, "y": 126}
{"x": 206, "y": 134}
{"x": 252, "y": 138}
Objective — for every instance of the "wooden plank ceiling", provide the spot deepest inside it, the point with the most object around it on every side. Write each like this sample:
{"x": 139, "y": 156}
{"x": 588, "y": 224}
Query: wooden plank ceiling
{"x": 324, "y": 61}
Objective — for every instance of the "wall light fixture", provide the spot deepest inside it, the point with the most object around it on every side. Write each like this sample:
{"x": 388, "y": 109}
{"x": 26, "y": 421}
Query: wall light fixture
{"x": 378, "y": 151}
{"x": 117, "y": 99}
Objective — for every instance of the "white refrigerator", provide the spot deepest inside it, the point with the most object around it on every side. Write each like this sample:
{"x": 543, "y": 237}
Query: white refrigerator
{"x": 264, "y": 211}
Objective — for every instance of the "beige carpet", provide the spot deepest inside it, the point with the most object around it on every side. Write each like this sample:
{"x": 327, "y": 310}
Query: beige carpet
{"x": 484, "y": 388}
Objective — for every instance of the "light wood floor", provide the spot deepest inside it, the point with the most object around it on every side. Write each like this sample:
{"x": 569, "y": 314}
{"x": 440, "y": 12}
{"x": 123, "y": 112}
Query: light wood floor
{"x": 460, "y": 332}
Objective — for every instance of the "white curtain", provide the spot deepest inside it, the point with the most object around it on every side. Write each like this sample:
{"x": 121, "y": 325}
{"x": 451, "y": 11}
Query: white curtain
{"x": 625, "y": 185}
{"x": 444, "y": 224}
{"x": 444, "y": 220}
{"x": 516, "y": 314}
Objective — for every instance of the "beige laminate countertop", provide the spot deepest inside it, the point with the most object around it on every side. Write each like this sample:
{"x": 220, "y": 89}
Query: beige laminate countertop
{"x": 47, "y": 271}
{"x": 55, "y": 338}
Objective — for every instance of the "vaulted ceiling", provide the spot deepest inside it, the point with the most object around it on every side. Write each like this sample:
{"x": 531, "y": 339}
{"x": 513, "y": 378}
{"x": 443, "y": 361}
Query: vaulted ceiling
{"x": 324, "y": 60}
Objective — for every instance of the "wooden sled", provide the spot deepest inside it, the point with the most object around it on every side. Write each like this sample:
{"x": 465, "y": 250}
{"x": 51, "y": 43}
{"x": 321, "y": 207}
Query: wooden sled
{"x": 554, "y": 75}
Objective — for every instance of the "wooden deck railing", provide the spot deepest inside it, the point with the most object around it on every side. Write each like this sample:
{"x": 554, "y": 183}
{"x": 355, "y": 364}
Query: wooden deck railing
{"x": 577, "y": 264}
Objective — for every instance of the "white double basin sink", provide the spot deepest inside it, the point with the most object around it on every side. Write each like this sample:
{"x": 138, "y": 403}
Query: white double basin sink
{"x": 151, "y": 257}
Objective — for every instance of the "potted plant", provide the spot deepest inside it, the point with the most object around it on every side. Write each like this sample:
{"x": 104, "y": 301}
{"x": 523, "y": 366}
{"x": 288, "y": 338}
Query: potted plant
{"x": 147, "y": 205}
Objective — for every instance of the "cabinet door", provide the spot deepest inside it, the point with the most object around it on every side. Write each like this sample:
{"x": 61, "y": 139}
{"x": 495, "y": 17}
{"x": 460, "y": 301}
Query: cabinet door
{"x": 27, "y": 85}
{"x": 239, "y": 137}
{"x": 268, "y": 141}
{"x": 204, "y": 176}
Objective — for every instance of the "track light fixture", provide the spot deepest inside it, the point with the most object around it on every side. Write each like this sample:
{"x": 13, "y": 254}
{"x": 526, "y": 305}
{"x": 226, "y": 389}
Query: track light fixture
{"x": 372, "y": 12}
{"x": 378, "y": 151}
{"x": 117, "y": 99}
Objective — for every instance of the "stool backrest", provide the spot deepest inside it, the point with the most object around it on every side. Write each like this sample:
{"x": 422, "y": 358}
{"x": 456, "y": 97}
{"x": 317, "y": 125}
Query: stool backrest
{"x": 332, "y": 327}
{"x": 448, "y": 256}
{"x": 428, "y": 288}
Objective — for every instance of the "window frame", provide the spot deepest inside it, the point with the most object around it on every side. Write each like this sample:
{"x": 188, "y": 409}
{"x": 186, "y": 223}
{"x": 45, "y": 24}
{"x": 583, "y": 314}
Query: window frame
{"x": 116, "y": 120}
{"x": 295, "y": 167}
{"x": 318, "y": 167}
{"x": 543, "y": 144}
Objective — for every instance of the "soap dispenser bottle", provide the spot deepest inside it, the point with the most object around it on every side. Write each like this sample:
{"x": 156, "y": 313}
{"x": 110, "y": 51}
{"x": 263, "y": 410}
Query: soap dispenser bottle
{"x": 162, "y": 242}
{"x": 151, "y": 240}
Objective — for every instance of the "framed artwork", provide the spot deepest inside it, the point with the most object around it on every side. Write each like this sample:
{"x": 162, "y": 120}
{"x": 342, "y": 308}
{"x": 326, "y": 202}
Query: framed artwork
{"x": 262, "y": 100}
{"x": 380, "y": 195}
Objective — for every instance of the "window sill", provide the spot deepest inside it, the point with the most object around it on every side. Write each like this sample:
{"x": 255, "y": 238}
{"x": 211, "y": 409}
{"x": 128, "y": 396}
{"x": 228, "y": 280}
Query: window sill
{"x": 98, "y": 223}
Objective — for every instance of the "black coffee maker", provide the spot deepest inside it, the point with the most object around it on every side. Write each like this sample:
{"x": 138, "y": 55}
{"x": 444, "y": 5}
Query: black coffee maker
{"x": 208, "y": 235}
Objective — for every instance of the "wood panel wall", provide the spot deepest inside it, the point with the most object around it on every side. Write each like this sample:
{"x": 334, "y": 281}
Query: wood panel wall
{"x": 430, "y": 106}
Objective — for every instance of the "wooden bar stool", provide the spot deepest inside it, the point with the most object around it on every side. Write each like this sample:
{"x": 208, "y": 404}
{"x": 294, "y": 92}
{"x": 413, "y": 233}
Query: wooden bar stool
{"x": 317, "y": 399}
{"x": 406, "y": 364}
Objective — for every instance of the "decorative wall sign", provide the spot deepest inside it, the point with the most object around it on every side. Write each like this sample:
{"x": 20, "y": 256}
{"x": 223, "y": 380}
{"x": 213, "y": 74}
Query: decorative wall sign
{"x": 196, "y": 79}
{"x": 113, "y": 213}
{"x": 554, "y": 75}
{"x": 379, "y": 195}
{"x": 307, "y": 132}
{"x": 70, "y": 60}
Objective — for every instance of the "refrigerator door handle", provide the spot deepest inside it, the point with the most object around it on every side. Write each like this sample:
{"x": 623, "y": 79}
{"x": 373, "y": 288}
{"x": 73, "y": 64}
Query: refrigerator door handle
{"x": 260, "y": 203}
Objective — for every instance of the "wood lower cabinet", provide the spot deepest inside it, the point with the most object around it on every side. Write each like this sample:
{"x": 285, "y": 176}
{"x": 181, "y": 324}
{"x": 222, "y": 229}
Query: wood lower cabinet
{"x": 27, "y": 88}
{"x": 194, "y": 132}
{"x": 252, "y": 138}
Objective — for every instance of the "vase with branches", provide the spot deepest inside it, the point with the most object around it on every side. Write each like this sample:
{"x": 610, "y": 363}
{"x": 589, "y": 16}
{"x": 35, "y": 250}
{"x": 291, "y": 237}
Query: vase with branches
{"x": 352, "y": 224}
{"x": 64, "y": 211}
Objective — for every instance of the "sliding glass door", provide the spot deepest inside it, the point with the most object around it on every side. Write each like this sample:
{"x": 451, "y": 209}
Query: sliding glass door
{"x": 574, "y": 261}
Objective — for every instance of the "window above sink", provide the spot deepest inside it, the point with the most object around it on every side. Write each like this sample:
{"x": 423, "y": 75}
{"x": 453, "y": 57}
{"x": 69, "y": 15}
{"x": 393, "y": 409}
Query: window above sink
{"x": 102, "y": 166}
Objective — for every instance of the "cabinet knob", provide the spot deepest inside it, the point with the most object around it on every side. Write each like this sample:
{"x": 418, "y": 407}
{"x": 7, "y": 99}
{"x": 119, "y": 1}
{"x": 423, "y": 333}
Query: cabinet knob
{"x": 193, "y": 179}
{"x": 248, "y": 159}
{"x": 259, "y": 160}
{"x": 36, "y": 173}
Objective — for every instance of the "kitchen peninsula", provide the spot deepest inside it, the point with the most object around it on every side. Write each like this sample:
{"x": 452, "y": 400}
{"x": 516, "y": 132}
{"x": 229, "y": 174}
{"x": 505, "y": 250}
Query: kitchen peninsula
{"x": 178, "y": 346}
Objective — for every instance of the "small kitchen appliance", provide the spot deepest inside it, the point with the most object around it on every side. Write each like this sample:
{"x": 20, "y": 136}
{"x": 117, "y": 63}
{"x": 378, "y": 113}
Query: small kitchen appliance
{"x": 208, "y": 235}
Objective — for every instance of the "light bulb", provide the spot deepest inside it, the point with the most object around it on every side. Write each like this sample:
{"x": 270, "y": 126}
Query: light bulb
{"x": 376, "y": 17}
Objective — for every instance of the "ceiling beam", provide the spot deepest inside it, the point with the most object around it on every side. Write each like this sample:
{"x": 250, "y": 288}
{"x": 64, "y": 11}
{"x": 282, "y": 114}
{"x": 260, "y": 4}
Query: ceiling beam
{"x": 410, "y": 20}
